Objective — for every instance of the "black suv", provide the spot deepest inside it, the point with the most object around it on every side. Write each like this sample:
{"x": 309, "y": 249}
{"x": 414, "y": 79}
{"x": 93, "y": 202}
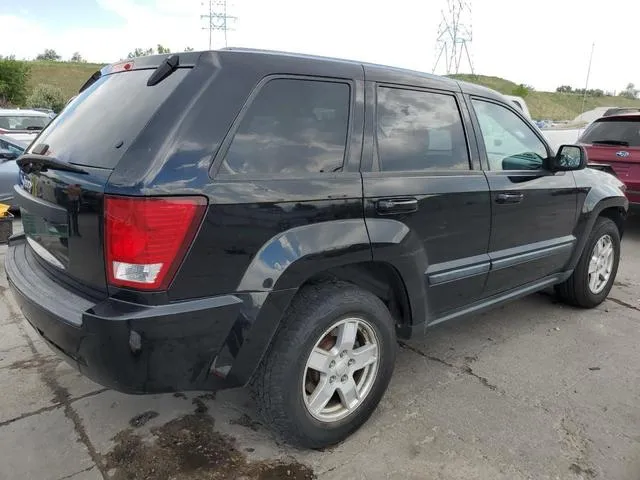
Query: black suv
{"x": 216, "y": 219}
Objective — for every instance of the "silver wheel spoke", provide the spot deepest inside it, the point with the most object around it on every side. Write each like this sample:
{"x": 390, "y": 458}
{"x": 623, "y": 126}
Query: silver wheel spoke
{"x": 321, "y": 395}
{"x": 348, "y": 394}
{"x": 601, "y": 264}
{"x": 365, "y": 355}
{"x": 319, "y": 360}
{"x": 347, "y": 335}
{"x": 330, "y": 391}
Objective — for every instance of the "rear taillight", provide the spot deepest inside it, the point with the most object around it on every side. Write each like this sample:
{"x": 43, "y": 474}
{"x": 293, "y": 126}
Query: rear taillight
{"x": 146, "y": 238}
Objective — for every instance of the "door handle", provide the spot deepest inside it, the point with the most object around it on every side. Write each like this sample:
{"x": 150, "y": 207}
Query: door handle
{"x": 396, "y": 205}
{"x": 509, "y": 197}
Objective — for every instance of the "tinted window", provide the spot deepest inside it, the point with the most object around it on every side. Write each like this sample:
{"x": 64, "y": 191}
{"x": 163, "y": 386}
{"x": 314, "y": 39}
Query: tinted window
{"x": 23, "y": 122}
{"x": 420, "y": 131}
{"x": 614, "y": 132}
{"x": 113, "y": 110}
{"x": 292, "y": 126}
{"x": 509, "y": 141}
{"x": 11, "y": 147}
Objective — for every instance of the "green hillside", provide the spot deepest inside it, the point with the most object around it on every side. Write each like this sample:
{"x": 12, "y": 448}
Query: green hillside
{"x": 543, "y": 105}
{"x": 550, "y": 105}
{"x": 68, "y": 76}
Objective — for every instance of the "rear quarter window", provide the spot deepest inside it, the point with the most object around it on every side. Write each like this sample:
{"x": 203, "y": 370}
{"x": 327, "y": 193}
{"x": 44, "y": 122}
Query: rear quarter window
{"x": 293, "y": 126}
{"x": 111, "y": 112}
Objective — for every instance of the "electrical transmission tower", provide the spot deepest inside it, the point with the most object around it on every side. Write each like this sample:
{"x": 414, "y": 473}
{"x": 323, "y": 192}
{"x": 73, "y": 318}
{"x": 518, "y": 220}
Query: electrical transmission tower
{"x": 454, "y": 36}
{"x": 217, "y": 19}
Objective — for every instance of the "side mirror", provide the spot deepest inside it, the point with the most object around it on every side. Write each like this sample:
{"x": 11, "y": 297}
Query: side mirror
{"x": 569, "y": 158}
{"x": 8, "y": 155}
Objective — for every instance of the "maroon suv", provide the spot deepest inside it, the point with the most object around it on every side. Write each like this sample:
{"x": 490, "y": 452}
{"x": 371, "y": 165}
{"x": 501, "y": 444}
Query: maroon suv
{"x": 615, "y": 141}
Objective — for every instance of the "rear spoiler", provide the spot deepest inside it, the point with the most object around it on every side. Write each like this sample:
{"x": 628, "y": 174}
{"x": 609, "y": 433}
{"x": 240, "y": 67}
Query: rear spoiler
{"x": 151, "y": 62}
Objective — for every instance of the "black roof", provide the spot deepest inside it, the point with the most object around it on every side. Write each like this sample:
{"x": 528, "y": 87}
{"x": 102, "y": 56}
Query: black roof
{"x": 372, "y": 71}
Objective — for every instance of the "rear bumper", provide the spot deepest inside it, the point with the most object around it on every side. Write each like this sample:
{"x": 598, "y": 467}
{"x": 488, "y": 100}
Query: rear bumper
{"x": 633, "y": 194}
{"x": 128, "y": 347}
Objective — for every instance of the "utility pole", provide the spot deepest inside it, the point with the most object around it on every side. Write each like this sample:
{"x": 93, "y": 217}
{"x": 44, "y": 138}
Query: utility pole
{"x": 454, "y": 36}
{"x": 217, "y": 18}
{"x": 586, "y": 85}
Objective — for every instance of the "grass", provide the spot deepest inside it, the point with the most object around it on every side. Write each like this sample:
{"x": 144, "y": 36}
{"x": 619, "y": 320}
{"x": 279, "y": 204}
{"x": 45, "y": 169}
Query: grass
{"x": 550, "y": 105}
{"x": 67, "y": 76}
{"x": 542, "y": 105}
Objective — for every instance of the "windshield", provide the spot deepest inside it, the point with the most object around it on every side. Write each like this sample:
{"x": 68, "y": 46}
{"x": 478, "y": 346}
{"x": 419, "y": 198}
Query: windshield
{"x": 614, "y": 132}
{"x": 100, "y": 123}
{"x": 23, "y": 122}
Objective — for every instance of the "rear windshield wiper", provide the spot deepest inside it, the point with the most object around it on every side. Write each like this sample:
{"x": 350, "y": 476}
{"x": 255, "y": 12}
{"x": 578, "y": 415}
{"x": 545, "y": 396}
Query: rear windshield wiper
{"x": 30, "y": 162}
{"x": 611, "y": 142}
{"x": 33, "y": 127}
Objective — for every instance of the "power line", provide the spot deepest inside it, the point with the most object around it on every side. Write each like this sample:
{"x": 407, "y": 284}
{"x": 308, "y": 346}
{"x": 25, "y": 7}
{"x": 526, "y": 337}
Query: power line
{"x": 455, "y": 34}
{"x": 217, "y": 19}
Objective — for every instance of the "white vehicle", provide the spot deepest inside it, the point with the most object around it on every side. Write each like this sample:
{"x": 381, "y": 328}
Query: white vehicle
{"x": 22, "y": 124}
{"x": 521, "y": 104}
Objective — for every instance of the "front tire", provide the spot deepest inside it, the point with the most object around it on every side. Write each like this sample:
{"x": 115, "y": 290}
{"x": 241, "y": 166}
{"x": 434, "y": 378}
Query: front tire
{"x": 329, "y": 365}
{"x": 591, "y": 281}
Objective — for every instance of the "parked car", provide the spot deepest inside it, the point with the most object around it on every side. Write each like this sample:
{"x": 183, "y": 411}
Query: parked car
{"x": 10, "y": 150}
{"x": 210, "y": 220}
{"x": 614, "y": 141}
{"x": 620, "y": 110}
{"x": 47, "y": 111}
{"x": 22, "y": 124}
{"x": 521, "y": 104}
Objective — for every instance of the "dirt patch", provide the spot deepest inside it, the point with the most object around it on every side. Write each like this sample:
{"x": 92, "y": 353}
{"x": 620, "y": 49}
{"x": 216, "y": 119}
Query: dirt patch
{"x": 142, "y": 419}
{"x": 207, "y": 396}
{"x": 246, "y": 421}
{"x": 34, "y": 362}
{"x": 189, "y": 448}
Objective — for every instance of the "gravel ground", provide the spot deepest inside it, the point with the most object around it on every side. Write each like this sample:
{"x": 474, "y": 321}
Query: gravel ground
{"x": 533, "y": 390}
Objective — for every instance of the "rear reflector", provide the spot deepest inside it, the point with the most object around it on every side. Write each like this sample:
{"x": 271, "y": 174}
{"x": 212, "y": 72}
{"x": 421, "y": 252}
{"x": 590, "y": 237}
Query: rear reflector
{"x": 146, "y": 238}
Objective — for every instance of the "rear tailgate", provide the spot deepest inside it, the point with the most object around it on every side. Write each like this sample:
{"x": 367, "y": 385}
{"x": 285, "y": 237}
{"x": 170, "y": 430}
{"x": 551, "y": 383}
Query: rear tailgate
{"x": 615, "y": 141}
{"x": 61, "y": 192}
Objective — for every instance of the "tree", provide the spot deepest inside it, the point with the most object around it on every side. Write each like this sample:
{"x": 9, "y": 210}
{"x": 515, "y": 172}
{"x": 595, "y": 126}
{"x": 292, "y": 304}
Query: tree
{"x": 49, "y": 55}
{"x": 162, "y": 49}
{"x": 46, "y": 96}
{"x": 522, "y": 90}
{"x": 140, "y": 52}
{"x": 14, "y": 75}
{"x": 76, "y": 57}
{"x": 188, "y": 49}
{"x": 630, "y": 91}
{"x": 564, "y": 89}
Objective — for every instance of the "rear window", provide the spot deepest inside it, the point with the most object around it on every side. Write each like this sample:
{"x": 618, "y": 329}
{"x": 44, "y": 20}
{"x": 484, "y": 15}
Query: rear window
{"x": 110, "y": 113}
{"x": 614, "y": 132}
{"x": 23, "y": 122}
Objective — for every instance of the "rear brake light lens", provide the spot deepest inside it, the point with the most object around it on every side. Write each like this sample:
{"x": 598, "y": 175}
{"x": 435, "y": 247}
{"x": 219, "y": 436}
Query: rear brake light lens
{"x": 146, "y": 238}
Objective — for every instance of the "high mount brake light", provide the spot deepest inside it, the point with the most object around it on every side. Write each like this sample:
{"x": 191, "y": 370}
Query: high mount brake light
{"x": 146, "y": 238}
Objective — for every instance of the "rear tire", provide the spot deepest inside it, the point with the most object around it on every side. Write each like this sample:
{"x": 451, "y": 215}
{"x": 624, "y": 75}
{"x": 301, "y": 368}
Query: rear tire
{"x": 314, "y": 389}
{"x": 591, "y": 281}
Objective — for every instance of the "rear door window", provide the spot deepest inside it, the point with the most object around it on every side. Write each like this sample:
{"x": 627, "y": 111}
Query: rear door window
{"x": 293, "y": 126}
{"x": 98, "y": 126}
{"x": 625, "y": 133}
{"x": 419, "y": 130}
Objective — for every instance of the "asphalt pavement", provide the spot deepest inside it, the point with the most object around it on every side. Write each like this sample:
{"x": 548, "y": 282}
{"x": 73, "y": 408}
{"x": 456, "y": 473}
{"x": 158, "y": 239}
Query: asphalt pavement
{"x": 532, "y": 390}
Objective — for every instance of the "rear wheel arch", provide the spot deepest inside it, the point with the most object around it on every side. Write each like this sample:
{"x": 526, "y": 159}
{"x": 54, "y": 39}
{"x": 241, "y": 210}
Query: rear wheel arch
{"x": 381, "y": 279}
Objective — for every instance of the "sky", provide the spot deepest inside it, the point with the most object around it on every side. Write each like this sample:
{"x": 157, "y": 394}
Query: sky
{"x": 545, "y": 44}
